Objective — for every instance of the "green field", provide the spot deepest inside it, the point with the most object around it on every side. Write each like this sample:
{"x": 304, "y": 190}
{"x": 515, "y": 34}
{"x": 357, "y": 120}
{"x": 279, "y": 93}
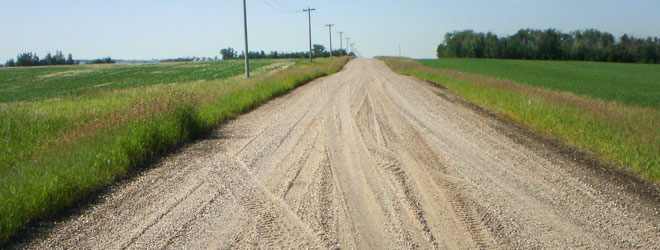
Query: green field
{"x": 636, "y": 84}
{"x": 57, "y": 150}
{"x": 38, "y": 83}
{"x": 555, "y": 99}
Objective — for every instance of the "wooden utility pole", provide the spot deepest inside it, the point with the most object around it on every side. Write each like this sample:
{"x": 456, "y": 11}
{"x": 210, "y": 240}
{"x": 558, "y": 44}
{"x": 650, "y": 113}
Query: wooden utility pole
{"x": 341, "y": 43}
{"x": 330, "y": 30}
{"x": 247, "y": 61}
{"x": 309, "y": 18}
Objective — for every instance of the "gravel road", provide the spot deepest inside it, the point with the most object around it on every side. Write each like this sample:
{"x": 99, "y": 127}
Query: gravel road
{"x": 364, "y": 158}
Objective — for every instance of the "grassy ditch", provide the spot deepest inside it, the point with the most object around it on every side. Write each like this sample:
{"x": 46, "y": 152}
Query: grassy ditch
{"x": 64, "y": 149}
{"x": 625, "y": 134}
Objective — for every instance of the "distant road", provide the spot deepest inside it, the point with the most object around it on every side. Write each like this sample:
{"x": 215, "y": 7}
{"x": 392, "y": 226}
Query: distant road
{"x": 364, "y": 158}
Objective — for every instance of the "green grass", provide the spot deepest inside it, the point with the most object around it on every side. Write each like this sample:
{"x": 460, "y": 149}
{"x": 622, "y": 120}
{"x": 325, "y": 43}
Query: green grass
{"x": 635, "y": 84}
{"x": 625, "y": 134}
{"x": 35, "y": 125}
{"x": 59, "y": 150}
{"x": 38, "y": 83}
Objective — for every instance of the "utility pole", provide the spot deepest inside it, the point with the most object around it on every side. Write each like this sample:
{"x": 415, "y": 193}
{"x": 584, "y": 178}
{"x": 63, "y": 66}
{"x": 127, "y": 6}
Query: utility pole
{"x": 341, "y": 43}
{"x": 247, "y": 61}
{"x": 330, "y": 30}
{"x": 348, "y": 50}
{"x": 309, "y": 17}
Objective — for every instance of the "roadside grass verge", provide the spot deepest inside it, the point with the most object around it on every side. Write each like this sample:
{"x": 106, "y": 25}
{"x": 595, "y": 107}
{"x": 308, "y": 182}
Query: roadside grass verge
{"x": 626, "y": 135}
{"x": 82, "y": 143}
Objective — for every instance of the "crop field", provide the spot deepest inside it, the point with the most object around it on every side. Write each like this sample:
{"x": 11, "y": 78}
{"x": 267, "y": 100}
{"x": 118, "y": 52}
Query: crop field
{"x": 68, "y": 130}
{"x": 609, "y": 110}
{"x": 635, "y": 84}
{"x": 38, "y": 83}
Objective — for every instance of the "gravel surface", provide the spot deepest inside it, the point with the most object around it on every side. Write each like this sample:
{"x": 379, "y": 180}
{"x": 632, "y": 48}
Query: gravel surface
{"x": 364, "y": 158}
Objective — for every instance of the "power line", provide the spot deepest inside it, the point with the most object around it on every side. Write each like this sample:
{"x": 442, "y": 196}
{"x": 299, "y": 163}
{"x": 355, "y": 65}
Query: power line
{"x": 317, "y": 20}
{"x": 280, "y": 9}
{"x": 286, "y": 5}
{"x": 309, "y": 19}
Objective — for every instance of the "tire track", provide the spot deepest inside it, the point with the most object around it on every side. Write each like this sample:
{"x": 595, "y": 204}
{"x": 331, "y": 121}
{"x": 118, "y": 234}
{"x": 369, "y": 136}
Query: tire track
{"x": 431, "y": 163}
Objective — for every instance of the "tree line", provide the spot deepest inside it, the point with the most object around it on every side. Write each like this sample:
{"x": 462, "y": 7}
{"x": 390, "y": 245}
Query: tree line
{"x": 550, "y": 44}
{"x": 105, "y": 60}
{"x": 31, "y": 59}
{"x": 317, "y": 51}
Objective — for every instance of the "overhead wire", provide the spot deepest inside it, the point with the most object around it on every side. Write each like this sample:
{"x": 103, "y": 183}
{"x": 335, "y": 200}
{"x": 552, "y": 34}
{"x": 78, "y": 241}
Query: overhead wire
{"x": 279, "y": 9}
{"x": 285, "y": 5}
{"x": 319, "y": 20}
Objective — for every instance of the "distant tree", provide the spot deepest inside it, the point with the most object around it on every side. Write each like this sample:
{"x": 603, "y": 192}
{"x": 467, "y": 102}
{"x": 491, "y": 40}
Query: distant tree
{"x": 106, "y": 60}
{"x": 27, "y": 59}
{"x": 318, "y": 49}
{"x": 69, "y": 60}
{"x": 649, "y": 51}
{"x": 10, "y": 63}
{"x": 228, "y": 54}
{"x": 550, "y": 45}
{"x": 464, "y": 44}
{"x": 492, "y": 46}
{"x": 48, "y": 60}
{"x": 180, "y": 59}
{"x": 441, "y": 51}
{"x": 58, "y": 59}
{"x": 31, "y": 59}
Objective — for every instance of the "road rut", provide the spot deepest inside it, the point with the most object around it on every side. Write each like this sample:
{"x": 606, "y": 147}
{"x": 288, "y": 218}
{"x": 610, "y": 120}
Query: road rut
{"x": 364, "y": 158}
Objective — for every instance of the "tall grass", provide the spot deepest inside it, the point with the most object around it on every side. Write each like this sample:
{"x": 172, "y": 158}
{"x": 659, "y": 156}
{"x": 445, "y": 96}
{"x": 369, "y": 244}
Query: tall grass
{"x": 627, "y": 135}
{"x": 109, "y": 133}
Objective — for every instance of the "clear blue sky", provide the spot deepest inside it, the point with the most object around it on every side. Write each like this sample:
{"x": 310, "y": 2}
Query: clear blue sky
{"x": 145, "y": 29}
